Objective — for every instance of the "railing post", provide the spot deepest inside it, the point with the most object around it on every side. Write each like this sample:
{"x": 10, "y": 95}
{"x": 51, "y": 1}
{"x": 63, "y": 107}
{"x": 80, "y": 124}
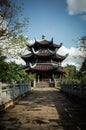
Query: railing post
{"x": 0, "y": 93}
{"x": 34, "y": 83}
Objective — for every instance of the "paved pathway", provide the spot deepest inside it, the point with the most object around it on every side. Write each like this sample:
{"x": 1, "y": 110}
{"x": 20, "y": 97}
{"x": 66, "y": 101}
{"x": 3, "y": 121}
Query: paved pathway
{"x": 44, "y": 109}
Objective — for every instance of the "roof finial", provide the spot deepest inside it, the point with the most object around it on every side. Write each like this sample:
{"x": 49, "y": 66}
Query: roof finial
{"x": 66, "y": 54}
{"x": 61, "y": 44}
{"x": 52, "y": 40}
{"x": 35, "y": 39}
{"x": 43, "y": 37}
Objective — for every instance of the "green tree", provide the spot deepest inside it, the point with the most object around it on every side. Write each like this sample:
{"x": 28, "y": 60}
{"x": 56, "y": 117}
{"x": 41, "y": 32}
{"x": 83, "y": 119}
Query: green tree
{"x": 10, "y": 23}
{"x": 10, "y": 72}
{"x": 11, "y": 26}
{"x": 71, "y": 73}
{"x": 82, "y": 46}
{"x": 4, "y": 68}
{"x": 82, "y": 71}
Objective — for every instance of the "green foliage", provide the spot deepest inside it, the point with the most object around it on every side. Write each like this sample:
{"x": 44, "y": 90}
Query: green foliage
{"x": 83, "y": 67}
{"x": 12, "y": 72}
{"x": 82, "y": 71}
{"x": 82, "y": 46}
{"x": 83, "y": 77}
{"x": 4, "y": 70}
{"x": 12, "y": 42}
{"x": 31, "y": 76}
{"x": 71, "y": 74}
{"x": 22, "y": 76}
{"x": 2, "y": 58}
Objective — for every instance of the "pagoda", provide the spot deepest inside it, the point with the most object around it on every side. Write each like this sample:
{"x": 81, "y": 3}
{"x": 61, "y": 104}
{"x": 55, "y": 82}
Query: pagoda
{"x": 43, "y": 60}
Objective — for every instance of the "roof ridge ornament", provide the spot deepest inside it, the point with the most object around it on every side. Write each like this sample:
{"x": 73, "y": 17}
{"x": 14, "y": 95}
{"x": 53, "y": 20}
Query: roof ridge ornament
{"x": 35, "y": 39}
{"x": 43, "y": 37}
{"x": 67, "y": 55}
{"x": 61, "y": 44}
{"x": 32, "y": 66}
{"x": 52, "y": 52}
{"x": 35, "y": 52}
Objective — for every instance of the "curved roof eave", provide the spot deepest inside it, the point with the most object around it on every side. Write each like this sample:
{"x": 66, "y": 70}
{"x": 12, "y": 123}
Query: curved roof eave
{"x": 26, "y": 57}
{"x": 44, "y": 42}
{"x": 59, "y": 57}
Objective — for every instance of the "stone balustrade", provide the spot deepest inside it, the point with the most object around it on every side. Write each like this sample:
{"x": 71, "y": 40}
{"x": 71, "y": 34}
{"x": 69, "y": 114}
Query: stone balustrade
{"x": 10, "y": 92}
{"x": 78, "y": 90}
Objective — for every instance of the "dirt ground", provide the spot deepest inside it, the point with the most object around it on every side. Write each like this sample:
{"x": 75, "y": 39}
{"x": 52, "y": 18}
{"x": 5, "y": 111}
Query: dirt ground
{"x": 44, "y": 109}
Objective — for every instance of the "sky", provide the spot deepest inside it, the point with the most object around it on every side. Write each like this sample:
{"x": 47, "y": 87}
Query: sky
{"x": 64, "y": 20}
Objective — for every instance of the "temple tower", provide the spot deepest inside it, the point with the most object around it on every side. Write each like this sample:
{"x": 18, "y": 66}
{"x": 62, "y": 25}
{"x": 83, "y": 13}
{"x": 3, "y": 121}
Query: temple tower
{"x": 43, "y": 60}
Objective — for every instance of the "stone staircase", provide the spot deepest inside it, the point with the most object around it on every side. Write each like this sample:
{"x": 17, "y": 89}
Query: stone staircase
{"x": 42, "y": 84}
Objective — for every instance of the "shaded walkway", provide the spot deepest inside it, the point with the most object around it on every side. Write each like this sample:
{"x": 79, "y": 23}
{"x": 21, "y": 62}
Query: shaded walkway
{"x": 44, "y": 109}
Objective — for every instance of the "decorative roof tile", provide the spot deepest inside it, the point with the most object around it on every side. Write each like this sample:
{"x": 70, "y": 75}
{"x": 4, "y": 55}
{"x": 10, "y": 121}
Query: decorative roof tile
{"x": 43, "y": 67}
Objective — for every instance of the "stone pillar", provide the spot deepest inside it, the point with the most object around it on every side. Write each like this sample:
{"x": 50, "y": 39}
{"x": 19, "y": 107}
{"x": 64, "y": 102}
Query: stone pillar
{"x": 55, "y": 83}
{"x": 38, "y": 78}
{"x": 53, "y": 80}
{"x": 34, "y": 83}
{"x": 50, "y": 80}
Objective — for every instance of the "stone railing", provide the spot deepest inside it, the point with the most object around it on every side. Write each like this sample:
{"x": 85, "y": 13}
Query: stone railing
{"x": 10, "y": 92}
{"x": 78, "y": 90}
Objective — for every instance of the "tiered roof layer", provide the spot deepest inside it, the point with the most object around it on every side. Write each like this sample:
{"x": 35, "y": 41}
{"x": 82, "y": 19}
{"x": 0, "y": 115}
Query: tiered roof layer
{"x": 43, "y": 57}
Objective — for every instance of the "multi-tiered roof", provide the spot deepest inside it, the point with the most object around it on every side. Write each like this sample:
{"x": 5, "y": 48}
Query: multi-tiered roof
{"x": 43, "y": 57}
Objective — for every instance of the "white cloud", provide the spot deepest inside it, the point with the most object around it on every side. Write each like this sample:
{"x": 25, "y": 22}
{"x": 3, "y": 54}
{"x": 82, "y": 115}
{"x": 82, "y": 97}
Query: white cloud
{"x": 17, "y": 61}
{"x": 31, "y": 42}
{"x": 71, "y": 59}
{"x": 76, "y": 6}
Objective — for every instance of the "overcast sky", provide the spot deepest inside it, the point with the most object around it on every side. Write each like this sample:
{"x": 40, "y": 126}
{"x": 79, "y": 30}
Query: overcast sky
{"x": 64, "y": 20}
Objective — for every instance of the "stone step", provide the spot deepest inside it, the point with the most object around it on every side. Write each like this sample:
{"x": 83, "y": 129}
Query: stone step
{"x": 42, "y": 84}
